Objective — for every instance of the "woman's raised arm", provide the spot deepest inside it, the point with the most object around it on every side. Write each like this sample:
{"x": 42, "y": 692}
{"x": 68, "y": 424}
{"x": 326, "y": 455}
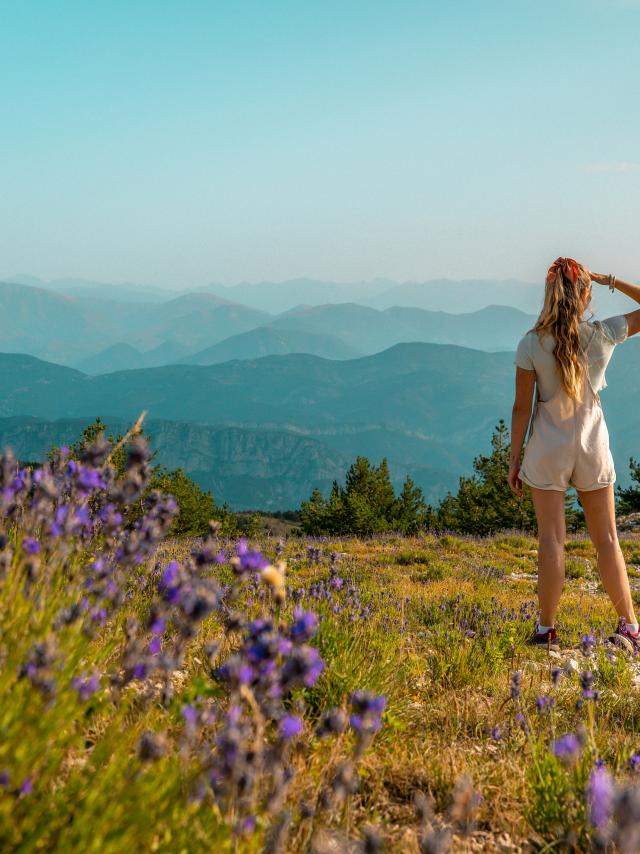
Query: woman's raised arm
{"x": 630, "y": 290}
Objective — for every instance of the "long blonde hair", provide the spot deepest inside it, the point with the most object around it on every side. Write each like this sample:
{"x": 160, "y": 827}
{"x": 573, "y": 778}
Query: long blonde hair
{"x": 560, "y": 316}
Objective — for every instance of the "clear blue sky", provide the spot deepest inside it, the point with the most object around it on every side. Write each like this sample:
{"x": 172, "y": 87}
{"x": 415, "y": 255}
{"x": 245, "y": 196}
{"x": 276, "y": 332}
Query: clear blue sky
{"x": 186, "y": 142}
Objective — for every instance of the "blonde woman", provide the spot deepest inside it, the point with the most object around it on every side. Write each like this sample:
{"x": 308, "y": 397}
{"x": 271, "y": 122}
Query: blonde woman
{"x": 563, "y": 358}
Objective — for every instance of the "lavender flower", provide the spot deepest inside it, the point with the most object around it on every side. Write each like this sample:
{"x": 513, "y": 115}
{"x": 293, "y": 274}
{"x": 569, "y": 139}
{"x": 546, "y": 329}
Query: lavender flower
{"x": 544, "y": 703}
{"x": 516, "y": 685}
{"x": 367, "y": 711}
{"x": 289, "y": 727}
{"x": 587, "y": 643}
{"x": 600, "y": 798}
{"x": 567, "y": 746}
{"x": 86, "y": 686}
{"x": 586, "y": 683}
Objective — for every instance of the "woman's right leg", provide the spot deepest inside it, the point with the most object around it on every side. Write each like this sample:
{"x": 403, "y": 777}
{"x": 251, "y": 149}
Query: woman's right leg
{"x": 549, "y": 507}
{"x": 599, "y": 512}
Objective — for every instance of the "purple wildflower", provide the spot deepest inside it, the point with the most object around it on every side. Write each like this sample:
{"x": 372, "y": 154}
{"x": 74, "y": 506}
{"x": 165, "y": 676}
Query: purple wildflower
{"x": 247, "y": 825}
{"x": 289, "y": 727}
{"x": 305, "y": 625}
{"x": 86, "y": 687}
{"x": 587, "y": 643}
{"x": 567, "y": 746}
{"x": 544, "y": 703}
{"x": 31, "y": 546}
{"x": 600, "y": 798}
{"x": 516, "y": 685}
{"x": 367, "y": 711}
{"x": 190, "y": 715}
{"x": 586, "y": 683}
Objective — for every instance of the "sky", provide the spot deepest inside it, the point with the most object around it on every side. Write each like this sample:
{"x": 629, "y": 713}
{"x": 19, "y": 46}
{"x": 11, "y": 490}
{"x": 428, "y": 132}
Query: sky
{"x": 183, "y": 143}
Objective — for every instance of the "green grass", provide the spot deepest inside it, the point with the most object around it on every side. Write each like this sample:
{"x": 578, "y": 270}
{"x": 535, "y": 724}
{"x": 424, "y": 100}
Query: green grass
{"x": 446, "y": 627}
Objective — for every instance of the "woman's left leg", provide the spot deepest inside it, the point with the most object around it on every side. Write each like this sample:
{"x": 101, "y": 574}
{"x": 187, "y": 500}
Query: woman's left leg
{"x": 549, "y": 507}
{"x": 600, "y": 515}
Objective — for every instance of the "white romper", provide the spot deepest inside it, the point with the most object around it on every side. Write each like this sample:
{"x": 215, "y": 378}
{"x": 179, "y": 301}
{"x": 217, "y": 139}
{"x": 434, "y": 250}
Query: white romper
{"x": 568, "y": 441}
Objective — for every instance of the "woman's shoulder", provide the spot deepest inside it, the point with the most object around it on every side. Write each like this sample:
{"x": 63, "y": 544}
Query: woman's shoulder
{"x": 528, "y": 335}
{"x": 524, "y": 351}
{"x": 611, "y": 330}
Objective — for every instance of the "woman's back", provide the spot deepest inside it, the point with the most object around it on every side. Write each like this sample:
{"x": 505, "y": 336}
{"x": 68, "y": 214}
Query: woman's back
{"x": 598, "y": 338}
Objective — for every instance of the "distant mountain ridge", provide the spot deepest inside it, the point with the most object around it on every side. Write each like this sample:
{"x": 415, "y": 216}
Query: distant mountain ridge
{"x": 429, "y": 408}
{"x": 454, "y": 296}
{"x": 98, "y": 333}
{"x": 69, "y": 329}
{"x": 271, "y": 341}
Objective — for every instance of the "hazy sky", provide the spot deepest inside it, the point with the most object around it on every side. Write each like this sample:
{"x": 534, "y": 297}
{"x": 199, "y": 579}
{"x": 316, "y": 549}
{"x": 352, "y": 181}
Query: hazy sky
{"x": 187, "y": 142}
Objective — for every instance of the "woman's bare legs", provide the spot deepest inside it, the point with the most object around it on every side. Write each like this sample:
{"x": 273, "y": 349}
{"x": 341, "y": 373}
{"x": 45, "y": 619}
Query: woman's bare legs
{"x": 599, "y": 512}
{"x": 549, "y": 507}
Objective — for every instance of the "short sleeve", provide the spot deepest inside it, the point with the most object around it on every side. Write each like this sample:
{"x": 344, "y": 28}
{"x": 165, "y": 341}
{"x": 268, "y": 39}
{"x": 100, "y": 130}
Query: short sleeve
{"x": 523, "y": 354}
{"x": 615, "y": 329}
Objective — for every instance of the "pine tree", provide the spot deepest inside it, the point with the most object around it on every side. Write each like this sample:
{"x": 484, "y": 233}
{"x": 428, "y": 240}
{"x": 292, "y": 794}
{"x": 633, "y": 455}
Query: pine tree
{"x": 313, "y": 513}
{"x": 629, "y": 497}
{"x": 485, "y": 502}
{"x": 366, "y": 505}
{"x": 410, "y": 511}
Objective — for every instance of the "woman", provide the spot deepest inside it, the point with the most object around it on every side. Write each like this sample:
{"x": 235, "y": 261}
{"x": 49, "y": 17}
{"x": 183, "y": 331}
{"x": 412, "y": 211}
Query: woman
{"x": 564, "y": 358}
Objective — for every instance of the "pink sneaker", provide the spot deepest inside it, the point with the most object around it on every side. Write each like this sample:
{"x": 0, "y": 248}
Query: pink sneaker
{"x": 623, "y": 638}
{"x": 548, "y": 639}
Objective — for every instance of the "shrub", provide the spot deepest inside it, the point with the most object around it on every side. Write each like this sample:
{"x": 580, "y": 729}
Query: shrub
{"x": 435, "y": 572}
{"x": 104, "y": 747}
{"x": 365, "y": 505}
{"x": 408, "y": 558}
{"x": 576, "y": 568}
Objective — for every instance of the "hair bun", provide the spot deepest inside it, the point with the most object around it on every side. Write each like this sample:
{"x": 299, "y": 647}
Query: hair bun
{"x": 567, "y": 266}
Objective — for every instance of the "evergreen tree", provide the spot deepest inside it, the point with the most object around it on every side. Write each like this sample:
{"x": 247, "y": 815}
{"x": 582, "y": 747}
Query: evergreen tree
{"x": 313, "y": 513}
{"x": 410, "y": 511}
{"x": 366, "y": 505}
{"x": 485, "y": 502}
{"x": 629, "y": 497}
{"x": 335, "y": 513}
{"x": 196, "y": 507}
{"x": 368, "y": 498}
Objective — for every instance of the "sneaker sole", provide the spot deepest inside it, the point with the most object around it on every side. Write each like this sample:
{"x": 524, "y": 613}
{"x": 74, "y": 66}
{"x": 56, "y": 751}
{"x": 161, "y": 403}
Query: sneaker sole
{"x": 622, "y": 643}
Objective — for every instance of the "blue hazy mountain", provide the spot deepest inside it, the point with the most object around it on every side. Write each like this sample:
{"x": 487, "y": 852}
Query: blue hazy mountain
{"x": 277, "y": 297}
{"x": 346, "y": 330}
{"x": 453, "y": 296}
{"x": 123, "y": 292}
{"x": 449, "y": 295}
{"x": 100, "y": 336}
{"x": 272, "y": 341}
{"x": 124, "y": 357}
{"x": 429, "y": 408}
{"x": 370, "y": 330}
{"x": 69, "y": 329}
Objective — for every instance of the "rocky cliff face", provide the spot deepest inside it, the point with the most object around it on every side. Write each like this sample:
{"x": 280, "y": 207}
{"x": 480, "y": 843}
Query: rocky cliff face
{"x": 249, "y": 469}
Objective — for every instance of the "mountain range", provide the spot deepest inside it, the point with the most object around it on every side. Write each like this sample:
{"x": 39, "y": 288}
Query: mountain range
{"x": 101, "y": 336}
{"x": 430, "y": 408}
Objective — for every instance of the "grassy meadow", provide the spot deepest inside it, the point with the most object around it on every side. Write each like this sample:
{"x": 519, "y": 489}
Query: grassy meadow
{"x": 466, "y": 757}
